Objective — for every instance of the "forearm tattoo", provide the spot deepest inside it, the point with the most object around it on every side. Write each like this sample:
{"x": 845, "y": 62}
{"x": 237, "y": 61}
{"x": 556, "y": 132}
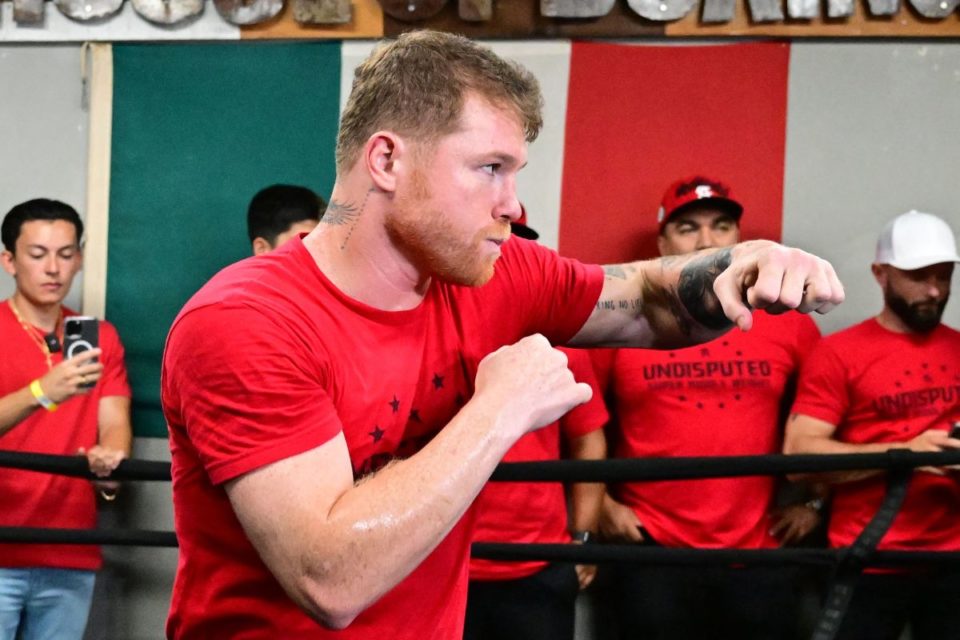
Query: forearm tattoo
{"x": 615, "y": 271}
{"x": 620, "y": 272}
{"x": 695, "y": 289}
{"x": 675, "y": 313}
{"x": 663, "y": 310}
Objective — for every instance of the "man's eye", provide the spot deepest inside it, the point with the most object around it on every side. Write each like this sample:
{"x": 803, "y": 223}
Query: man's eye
{"x": 491, "y": 168}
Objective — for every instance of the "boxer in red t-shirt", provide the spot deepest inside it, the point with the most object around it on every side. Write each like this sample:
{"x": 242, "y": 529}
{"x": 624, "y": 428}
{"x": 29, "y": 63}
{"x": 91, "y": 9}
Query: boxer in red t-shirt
{"x": 336, "y": 405}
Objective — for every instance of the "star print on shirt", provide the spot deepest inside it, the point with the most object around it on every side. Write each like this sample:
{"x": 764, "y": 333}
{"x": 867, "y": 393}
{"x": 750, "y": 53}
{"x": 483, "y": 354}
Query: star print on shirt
{"x": 415, "y": 415}
{"x": 377, "y": 433}
{"x": 395, "y": 404}
{"x": 437, "y": 381}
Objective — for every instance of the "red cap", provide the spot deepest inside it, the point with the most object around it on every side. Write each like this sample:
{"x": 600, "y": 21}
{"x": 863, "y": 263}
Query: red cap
{"x": 696, "y": 189}
{"x": 520, "y": 228}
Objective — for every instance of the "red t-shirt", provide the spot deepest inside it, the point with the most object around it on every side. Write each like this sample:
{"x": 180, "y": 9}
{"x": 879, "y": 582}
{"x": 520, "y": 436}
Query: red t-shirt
{"x": 270, "y": 359}
{"x": 34, "y": 499}
{"x": 877, "y": 385}
{"x": 534, "y": 512}
{"x": 722, "y": 398}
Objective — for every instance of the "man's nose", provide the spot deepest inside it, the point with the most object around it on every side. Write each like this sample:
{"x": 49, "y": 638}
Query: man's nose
{"x": 705, "y": 239}
{"x": 51, "y": 264}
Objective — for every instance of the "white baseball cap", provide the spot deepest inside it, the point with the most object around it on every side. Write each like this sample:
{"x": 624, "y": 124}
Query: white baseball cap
{"x": 914, "y": 240}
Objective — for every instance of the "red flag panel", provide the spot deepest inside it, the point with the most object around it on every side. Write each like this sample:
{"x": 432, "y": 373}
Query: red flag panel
{"x": 640, "y": 117}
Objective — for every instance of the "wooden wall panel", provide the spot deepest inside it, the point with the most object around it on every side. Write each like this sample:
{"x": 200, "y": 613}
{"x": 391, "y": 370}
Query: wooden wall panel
{"x": 367, "y": 23}
{"x": 522, "y": 19}
{"x": 906, "y": 23}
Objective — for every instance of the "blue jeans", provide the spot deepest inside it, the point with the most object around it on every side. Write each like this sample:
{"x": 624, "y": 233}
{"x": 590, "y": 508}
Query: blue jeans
{"x": 44, "y": 604}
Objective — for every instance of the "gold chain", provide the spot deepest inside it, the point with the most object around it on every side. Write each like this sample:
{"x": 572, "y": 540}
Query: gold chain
{"x": 37, "y": 340}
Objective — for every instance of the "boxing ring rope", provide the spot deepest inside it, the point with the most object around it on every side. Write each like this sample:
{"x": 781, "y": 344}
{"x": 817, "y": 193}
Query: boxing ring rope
{"x": 848, "y": 562}
{"x": 620, "y": 470}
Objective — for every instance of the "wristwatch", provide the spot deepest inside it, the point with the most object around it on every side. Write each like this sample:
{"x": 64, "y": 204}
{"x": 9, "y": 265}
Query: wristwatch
{"x": 816, "y": 504}
{"x": 582, "y": 536}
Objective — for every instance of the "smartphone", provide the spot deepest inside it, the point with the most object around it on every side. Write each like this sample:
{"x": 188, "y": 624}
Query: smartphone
{"x": 80, "y": 333}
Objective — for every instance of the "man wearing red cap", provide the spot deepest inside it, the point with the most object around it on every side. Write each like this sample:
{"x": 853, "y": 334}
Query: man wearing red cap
{"x": 530, "y": 600}
{"x": 717, "y": 399}
{"x": 893, "y": 382}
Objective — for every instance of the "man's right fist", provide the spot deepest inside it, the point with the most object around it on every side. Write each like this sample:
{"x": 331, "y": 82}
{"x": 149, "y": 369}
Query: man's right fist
{"x": 530, "y": 382}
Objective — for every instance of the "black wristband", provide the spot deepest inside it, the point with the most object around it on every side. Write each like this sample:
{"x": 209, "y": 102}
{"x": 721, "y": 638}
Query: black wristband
{"x": 582, "y": 536}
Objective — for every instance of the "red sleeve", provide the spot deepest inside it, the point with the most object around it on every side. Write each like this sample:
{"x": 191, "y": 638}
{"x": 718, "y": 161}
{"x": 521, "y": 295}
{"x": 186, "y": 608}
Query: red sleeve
{"x": 591, "y": 415}
{"x": 822, "y": 388}
{"x": 246, "y": 388}
{"x": 561, "y": 292}
{"x": 113, "y": 382}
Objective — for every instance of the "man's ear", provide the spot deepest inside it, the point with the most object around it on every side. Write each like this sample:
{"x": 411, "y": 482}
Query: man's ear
{"x": 880, "y": 274}
{"x": 382, "y": 156}
{"x": 6, "y": 258}
{"x": 261, "y": 246}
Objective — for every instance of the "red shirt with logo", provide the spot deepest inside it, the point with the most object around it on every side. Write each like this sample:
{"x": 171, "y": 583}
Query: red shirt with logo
{"x": 270, "y": 360}
{"x": 535, "y": 512}
{"x": 34, "y": 499}
{"x": 878, "y": 385}
{"x": 722, "y": 398}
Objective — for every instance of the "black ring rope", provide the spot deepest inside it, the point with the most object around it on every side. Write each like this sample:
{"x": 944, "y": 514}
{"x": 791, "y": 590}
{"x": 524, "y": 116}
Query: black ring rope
{"x": 848, "y": 562}
{"x": 633, "y": 553}
{"x": 619, "y": 470}
{"x": 77, "y": 467}
{"x": 585, "y": 554}
{"x": 689, "y": 468}
{"x": 119, "y": 537}
{"x": 854, "y": 558}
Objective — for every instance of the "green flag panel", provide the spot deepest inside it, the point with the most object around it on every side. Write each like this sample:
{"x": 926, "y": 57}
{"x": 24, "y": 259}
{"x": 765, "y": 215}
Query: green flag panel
{"x": 197, "y": 130}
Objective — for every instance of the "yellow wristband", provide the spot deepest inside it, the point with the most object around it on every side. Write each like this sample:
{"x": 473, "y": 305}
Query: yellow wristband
{"x": 41, "y": 397}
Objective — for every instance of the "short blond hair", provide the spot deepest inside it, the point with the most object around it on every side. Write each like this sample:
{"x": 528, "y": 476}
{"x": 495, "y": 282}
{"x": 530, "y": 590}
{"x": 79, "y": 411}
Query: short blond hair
{"x": 416, "y": 86}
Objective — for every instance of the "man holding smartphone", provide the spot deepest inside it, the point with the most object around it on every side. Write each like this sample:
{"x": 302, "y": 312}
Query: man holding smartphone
{"x": 893, "y": 382}
{"x": 53, "y": 405}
